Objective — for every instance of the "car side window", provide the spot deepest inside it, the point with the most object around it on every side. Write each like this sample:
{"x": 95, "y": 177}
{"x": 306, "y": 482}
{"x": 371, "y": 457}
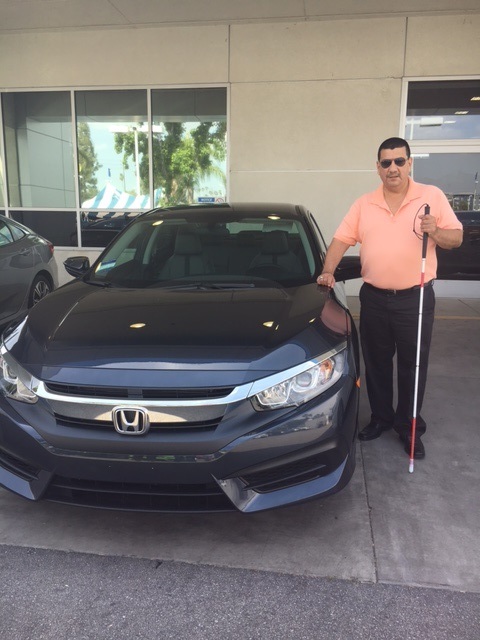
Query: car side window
{"x": 16, "y": 232}
{"x": 6, "y": 236}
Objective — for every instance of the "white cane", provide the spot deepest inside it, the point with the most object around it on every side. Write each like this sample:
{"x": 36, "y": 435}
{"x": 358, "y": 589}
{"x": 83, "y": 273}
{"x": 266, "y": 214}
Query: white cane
{"x": 419, "y": 340}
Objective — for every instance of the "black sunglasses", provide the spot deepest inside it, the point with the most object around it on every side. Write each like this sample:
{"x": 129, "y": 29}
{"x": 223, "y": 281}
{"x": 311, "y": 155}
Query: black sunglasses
{"x": 398, "y": 161}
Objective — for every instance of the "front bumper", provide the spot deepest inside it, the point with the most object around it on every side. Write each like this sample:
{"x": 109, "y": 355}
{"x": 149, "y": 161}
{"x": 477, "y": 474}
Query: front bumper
{"x": 300, "y": 454}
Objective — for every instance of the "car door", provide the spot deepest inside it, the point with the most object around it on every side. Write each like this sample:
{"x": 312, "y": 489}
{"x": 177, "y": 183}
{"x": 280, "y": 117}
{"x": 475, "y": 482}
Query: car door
{"x": 16, "y": 269}
{"x": 462, "y": 263}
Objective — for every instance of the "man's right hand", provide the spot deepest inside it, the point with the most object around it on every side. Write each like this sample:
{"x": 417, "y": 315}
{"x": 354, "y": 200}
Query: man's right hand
{"x": 326, "y": 279}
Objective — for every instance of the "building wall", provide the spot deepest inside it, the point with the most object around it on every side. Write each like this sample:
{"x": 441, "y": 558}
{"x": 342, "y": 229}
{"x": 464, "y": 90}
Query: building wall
{"x": 309, "y": 101}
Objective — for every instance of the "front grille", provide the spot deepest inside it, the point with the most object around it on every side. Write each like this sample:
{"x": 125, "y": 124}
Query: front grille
{"x": 82, "y": 423}
{"x": 18, "y": 467}
{"x": 139, "y": 497}
{"x": 288, "y": 475}
{"x": 133, "y": 393}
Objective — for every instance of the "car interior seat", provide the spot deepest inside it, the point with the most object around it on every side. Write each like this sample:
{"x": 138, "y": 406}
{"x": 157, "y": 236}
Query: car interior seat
{"x": 187, "y": 258}
{"x": 275, "y": 251}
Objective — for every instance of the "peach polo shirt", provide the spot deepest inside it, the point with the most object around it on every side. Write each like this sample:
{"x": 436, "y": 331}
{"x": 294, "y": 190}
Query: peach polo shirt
{"x": 391, "y": 253}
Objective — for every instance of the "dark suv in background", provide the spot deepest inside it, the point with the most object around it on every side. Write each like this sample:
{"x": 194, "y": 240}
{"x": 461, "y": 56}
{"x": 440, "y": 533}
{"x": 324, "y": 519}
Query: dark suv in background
{"x": 462, "y": 263}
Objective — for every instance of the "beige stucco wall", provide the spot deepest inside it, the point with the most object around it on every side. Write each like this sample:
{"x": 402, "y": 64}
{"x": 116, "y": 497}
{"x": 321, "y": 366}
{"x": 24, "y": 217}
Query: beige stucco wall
{"x": 115, "y": 57}
{"x": 443, "y": 45}
{"x": 309, "y": 101}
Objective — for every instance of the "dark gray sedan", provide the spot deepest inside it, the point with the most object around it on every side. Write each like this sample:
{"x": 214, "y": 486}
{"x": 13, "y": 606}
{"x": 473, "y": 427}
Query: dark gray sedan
{"x": 27, "y": 268}
{"x": 195, "y": 366}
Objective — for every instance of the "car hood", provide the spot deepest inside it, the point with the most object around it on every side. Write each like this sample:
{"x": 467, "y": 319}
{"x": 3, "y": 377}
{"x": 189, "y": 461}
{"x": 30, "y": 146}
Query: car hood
{"x": 83, "y": 334}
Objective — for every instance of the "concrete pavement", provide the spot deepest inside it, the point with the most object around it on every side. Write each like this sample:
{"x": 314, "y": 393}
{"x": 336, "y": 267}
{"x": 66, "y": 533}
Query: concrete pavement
{"x": 389, "y": 532}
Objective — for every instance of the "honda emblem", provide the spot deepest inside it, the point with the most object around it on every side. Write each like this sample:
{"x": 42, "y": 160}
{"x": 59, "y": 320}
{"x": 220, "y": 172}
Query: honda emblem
{"x": 131, "y": 421}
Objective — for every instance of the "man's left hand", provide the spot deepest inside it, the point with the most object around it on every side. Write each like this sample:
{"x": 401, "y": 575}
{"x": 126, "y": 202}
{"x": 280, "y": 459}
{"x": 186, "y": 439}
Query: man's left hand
{"x": 444, "y": 238}
{"x": 428, "y": 224}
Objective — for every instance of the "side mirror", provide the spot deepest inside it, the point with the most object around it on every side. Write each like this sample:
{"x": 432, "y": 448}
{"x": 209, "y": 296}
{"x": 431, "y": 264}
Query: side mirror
{"x": 77, "y": 266}
{"x": 349, "y": 268}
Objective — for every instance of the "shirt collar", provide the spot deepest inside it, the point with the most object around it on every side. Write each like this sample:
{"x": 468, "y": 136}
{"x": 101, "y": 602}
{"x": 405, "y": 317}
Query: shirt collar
{"x": 414, "y": 192}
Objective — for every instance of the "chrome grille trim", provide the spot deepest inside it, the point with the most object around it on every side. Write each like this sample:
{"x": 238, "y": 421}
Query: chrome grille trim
{"x": 173, "y": 425}
{"x": 101, "y": 412}
{"x": 89, "y": 391}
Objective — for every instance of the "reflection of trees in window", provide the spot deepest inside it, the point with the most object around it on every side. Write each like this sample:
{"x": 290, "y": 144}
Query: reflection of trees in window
{"x": 182, "y": 157}
{"x": 88, "y": 163}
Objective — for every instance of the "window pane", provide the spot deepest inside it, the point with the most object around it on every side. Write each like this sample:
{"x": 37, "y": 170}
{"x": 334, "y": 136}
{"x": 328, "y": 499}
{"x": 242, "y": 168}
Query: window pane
{"x": 455, "y": 173}
{"x": 189, "y": 145}
{"x": 112, "y": 139}
{"x": 99, "y": 228}
{"x": 2, "y": 179}
{"x": 39, "y": 152}
{"x": 443, "y": 110}
{"x": 57, "y": 226}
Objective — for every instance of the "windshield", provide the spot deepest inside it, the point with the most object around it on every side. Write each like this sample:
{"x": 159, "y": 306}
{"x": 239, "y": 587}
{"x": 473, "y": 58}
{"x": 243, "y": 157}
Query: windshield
{"x": 161, "y": 249}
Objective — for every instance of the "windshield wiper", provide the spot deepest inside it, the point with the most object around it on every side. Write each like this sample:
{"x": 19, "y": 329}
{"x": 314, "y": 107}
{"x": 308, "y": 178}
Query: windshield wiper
{"x": 229, "y": 285}
{"x": 205, "y": 286}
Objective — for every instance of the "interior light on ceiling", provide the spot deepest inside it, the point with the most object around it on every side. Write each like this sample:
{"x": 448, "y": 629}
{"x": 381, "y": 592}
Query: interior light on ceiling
{"x": 155, "y": 224}
{"x": 274, "y": 218}
{"x": 269, "y": 324}
{"x": 431, "y": 121}
{"x": 475, "y": 99}
{"x": 461, "y": 113}
{"x": 137, "y": 325}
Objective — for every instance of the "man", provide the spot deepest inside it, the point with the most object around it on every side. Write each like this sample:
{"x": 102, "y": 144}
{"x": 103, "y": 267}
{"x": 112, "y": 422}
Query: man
{"x": 389, "y": 223}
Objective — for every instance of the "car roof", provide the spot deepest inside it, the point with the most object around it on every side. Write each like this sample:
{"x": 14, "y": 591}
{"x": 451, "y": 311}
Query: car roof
{"x": 254, "y": 209}
{"x": 15, "y": 223}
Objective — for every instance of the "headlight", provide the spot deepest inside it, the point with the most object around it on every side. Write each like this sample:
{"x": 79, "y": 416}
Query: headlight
{"x": 302, "y": 387}
{"x": 11, "y": 383}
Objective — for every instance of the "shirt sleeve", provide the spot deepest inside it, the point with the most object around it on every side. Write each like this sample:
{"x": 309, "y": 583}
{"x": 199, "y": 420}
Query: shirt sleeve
{"x": 347, "y": 231}
{"x": 446, "y": 218}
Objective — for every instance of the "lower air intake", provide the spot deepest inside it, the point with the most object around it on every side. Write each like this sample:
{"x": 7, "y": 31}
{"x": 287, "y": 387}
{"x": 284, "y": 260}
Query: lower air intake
{"x": 139, "y": 497}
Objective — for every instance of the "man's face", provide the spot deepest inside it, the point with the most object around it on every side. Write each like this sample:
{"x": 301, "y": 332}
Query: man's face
{"x": 394, "y": 177}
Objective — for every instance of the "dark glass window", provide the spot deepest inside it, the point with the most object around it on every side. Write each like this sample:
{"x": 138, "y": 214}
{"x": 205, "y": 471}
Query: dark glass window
{"x": 455, "y": 173}
{"x": 99, "y": 227}
{"x": 443, "y": 110}
{"x": 60, "y": 227}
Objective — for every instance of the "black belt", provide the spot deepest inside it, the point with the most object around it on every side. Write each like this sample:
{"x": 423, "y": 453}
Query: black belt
{"x": 397, "y": 292}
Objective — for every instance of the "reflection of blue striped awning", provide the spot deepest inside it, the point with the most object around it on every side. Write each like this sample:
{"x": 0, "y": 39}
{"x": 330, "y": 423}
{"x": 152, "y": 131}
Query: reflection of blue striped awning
{"x": 111, "y": 198}
{"x": 127, "y": 201}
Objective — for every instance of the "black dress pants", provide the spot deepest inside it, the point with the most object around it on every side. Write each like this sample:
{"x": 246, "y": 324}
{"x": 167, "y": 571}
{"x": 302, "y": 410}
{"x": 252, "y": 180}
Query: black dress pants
{"x": 389, "y": 325}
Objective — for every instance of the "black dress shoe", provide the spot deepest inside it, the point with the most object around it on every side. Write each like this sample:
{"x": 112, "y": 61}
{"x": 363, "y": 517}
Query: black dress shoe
{"x": 373, "y": 430}
{"x": 418, "y": 448}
